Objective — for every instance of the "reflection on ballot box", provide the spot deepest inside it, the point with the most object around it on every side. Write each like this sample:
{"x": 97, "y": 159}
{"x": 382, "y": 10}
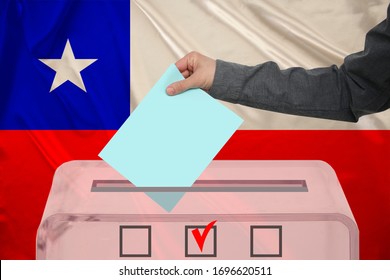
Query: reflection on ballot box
{"x": 263, "y": 210}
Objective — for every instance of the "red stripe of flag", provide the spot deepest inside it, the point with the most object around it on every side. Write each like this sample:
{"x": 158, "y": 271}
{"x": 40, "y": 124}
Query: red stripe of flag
{"x": 361, "y": 160}
{"x": 28, "y": 160}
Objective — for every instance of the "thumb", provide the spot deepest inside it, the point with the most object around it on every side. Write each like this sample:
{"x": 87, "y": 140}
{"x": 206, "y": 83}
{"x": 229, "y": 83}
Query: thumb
{"x": 180, "y": 86}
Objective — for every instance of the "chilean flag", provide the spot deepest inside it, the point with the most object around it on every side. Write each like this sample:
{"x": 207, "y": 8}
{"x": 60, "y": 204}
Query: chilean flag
{"x": 64, "y": 91}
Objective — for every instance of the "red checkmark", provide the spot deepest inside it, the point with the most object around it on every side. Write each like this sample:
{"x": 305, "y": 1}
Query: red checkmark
{"x": 200, "y": 238}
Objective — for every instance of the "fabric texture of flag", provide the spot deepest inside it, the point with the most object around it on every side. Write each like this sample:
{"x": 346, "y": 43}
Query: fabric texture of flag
{"x": 64, "y": 90}
{"x": 304, "y": 33}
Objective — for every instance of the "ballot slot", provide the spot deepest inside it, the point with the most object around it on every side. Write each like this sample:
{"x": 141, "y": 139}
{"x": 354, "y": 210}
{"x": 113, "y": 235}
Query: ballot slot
{"x": 206, "y": 186}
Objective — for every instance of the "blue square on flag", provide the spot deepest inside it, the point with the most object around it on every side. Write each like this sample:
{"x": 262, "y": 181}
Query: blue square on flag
{"x": 64, "y": 64}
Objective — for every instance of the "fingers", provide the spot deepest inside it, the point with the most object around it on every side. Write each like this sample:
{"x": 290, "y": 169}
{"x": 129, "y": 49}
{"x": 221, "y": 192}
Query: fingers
{"x": 185, "y": 63}
{"x": 179, "y": 87}
{"x": 171, "y": 90}
{"x": 186, "y": 74}
{"x": 197, "y": 70}
{"x": 185, "y": 66}
{"x": 182, "y": 64}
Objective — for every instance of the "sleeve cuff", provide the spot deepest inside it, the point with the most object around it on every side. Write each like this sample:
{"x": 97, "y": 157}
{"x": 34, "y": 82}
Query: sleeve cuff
{"x": 228, "y": 80}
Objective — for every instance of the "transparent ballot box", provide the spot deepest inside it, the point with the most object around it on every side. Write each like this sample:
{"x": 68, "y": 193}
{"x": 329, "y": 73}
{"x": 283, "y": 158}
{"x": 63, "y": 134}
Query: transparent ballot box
{"x": 262, "y": 209}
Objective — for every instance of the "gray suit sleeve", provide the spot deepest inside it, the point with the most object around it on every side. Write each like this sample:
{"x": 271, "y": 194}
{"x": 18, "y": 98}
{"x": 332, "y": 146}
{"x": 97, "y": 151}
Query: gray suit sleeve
{"x": 358, "y": 87}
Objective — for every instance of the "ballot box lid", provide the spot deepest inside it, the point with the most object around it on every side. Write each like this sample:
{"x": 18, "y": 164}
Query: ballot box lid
{"x": 225, "y": 187}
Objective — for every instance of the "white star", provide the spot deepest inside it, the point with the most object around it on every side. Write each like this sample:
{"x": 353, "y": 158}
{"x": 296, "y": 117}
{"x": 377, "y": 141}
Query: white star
{"x": 68, "y": 68}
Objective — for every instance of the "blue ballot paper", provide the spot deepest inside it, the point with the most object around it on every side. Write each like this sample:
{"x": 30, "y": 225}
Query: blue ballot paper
{"x": 170, "y": 140}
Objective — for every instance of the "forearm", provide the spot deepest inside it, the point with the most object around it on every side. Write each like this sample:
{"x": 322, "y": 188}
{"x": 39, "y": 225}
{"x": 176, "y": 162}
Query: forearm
{"x": 321, "y": 92}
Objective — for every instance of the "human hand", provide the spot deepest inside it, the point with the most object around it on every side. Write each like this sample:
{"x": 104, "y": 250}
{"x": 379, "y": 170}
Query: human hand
{"x": 198, "y": 71}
